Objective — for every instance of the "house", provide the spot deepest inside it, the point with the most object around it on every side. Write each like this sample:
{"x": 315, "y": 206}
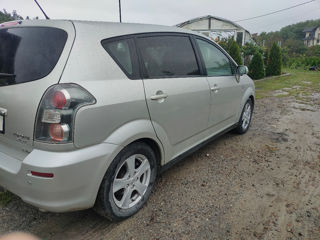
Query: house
{"x": 218, "y": 28}
{"x": 312, "y": 36}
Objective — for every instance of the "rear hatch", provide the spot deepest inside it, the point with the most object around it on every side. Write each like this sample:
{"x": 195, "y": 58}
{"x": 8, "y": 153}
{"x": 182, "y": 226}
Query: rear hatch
{"x": 32, "y": 58}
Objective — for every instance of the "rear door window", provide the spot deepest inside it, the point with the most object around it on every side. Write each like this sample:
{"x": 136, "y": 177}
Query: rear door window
{"x": 29, "y": 53}
{"x": 168, "y": 56}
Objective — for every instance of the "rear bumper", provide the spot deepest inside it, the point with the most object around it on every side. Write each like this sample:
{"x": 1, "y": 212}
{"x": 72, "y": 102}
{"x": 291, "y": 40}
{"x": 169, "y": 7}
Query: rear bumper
{"x": 77, "y": 177}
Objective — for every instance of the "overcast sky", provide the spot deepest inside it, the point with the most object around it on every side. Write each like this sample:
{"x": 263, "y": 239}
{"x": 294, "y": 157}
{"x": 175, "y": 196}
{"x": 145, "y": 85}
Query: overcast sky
{"x": 170, "y": 12}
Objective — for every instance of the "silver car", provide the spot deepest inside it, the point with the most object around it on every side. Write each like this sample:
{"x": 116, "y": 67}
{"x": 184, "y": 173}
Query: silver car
{"x": 91, "y": 112}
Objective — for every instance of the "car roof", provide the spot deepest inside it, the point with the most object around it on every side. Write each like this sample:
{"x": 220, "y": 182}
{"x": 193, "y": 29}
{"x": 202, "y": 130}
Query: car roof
{"x": 118, "y": 29}
{"x": 109, "y": 29}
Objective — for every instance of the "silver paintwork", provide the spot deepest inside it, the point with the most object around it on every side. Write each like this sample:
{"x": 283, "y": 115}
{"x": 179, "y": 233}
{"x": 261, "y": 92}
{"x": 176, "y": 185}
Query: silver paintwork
{"x": 176, "y": 114}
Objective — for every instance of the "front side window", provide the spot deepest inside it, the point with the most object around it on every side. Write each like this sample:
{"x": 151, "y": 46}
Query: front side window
{"x": 165, "y": 56}
{"x": 216, "y": 63}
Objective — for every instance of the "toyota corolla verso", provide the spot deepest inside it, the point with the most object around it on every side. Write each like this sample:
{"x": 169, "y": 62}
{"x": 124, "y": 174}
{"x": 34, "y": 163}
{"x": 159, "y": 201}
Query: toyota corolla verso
{"x": 90, "y": 112}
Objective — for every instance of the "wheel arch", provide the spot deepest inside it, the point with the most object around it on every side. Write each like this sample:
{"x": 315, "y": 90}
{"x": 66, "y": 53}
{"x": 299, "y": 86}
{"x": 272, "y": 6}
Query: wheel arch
{"x": 138, "y": 131}
{"x": 249, "y": 94}
{"x": 252, "y": 100}
{"x": 154, "y": 146}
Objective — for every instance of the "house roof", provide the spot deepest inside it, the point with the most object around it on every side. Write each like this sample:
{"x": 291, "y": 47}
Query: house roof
{"x": 310, "y": 29}
{"x": 209, "y": 17}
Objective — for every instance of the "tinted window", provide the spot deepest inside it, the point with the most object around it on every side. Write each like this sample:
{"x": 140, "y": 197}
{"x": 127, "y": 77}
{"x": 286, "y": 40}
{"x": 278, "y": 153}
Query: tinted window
{"x": 120, "y": 51}
{"x": 164, "y": 56}
{"x": 29, "y": 53}
{"x": 216, "y": 63}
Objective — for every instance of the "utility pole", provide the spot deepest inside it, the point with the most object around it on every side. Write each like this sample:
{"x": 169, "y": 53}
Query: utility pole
{"x": 120, "y": 10}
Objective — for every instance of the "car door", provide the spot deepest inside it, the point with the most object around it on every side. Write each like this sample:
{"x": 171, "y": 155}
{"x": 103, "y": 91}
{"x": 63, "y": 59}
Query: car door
{"x": 177, "y": 95}
{"x": 225, "y": 89}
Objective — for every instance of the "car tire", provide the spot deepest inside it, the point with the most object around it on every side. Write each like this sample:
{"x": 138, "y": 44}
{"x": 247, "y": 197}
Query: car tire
{"x": 127, "y": 183}
{"x": 245, "y": 118}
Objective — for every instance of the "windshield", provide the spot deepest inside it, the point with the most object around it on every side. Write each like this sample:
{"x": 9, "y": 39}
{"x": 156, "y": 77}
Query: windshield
{"x": 29, "y": 53}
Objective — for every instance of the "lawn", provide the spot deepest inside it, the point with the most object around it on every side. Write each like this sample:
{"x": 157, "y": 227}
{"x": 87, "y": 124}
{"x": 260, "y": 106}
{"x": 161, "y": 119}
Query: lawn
{"x": 300, "y": 83}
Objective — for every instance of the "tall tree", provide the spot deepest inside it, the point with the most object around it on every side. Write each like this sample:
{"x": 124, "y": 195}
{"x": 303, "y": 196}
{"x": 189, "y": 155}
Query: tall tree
{"x": 256, "y": 67}
{"x": 6, "y": 17}
{"x": 234, "y": 52}
{"x": 275, "y": 61}
{"x": 266, "y": 57}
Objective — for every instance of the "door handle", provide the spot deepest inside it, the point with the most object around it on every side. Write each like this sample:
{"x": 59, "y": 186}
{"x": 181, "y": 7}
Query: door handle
{"x": 215, "y": 88}
{"x": 159, "y": 96}
{"x": 3, "y": 111}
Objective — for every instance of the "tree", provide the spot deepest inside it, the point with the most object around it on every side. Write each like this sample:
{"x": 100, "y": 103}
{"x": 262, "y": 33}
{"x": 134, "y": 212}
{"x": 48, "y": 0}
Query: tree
{"x": 295, "y": 47}
{"x": 291, "y": 36}
{"x": 226, "y": 44}
{"x": 275, "y": 61}
{"x": 234, "y": 52}
{"x": 266, "y": 57}
{"x": 256, "y": 67}
{"x": 248, "y": 50}
{"x": 6, "y": 17}
{"x": 313, "y": 51}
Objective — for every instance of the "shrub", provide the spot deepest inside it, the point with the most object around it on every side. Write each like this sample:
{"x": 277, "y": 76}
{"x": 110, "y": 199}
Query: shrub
{"x": 248, "y": 50}
{"x": 234, "y": 52}
{"x": 303, "y": 62}
{"x": 313, "y": 51}
{"x": 224, "y": 45}
{"x": 275, "y": 61}
{"x": 256, "y": 67}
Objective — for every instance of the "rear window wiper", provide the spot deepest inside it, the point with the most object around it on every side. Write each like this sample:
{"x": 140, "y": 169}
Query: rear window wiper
{"x": 7, "y": 79}
{"x": 7, "y": 75}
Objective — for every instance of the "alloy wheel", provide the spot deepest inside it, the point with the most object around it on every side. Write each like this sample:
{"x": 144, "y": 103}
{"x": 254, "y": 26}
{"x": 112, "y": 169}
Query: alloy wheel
{"x": 131, "y": 181}
{"x": 246, "y": 116}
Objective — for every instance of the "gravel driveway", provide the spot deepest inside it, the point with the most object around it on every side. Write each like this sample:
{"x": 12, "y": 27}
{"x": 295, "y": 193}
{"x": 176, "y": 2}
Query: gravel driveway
{"x": 261, "y": 185}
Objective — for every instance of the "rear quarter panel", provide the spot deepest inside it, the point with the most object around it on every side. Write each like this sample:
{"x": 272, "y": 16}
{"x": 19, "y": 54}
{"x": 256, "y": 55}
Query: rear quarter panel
{"x": 120, "y": 101}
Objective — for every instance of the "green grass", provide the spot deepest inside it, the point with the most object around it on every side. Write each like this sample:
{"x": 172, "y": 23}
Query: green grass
{"x": 5, "y": 198}
{"x": 265, "y": 87}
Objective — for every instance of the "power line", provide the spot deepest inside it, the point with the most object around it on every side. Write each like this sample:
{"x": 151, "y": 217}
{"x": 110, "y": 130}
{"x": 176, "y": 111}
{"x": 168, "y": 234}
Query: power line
{"x": 276, "y": 23}
{"x": 281, "y": 10}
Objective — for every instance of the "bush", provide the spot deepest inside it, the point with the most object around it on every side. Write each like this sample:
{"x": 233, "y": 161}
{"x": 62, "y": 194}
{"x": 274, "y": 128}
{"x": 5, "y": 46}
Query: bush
{"x": 275, "y": 61}
{"x": 248, "y": 50}
{"x": 256, "y": 67}
{"x": 313, "y": 51}
{"x": 303, "y": 62}
{"x": 234, "y": 52}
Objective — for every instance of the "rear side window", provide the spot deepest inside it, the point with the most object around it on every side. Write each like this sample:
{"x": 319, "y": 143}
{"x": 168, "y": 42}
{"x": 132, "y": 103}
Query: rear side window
{"x": 164, "y": 56}
{"x": 121, "y": 51}
{"x": 216, "y": 63}
{"x": 29, "y": 53}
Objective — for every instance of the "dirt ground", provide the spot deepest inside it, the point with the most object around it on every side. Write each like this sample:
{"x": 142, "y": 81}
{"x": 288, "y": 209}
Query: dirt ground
{"x": 261, "y": 185}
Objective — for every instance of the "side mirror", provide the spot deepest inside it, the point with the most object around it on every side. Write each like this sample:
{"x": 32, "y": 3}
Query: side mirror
{"x": 242, "y": 70}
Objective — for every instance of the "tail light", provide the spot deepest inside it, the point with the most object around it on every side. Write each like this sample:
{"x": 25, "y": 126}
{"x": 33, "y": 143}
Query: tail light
{"x": 57, "y": 110}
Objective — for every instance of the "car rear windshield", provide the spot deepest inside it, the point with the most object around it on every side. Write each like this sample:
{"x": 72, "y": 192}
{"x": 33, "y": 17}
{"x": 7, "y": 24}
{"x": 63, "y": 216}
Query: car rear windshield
{"x": 29, "y": 53}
